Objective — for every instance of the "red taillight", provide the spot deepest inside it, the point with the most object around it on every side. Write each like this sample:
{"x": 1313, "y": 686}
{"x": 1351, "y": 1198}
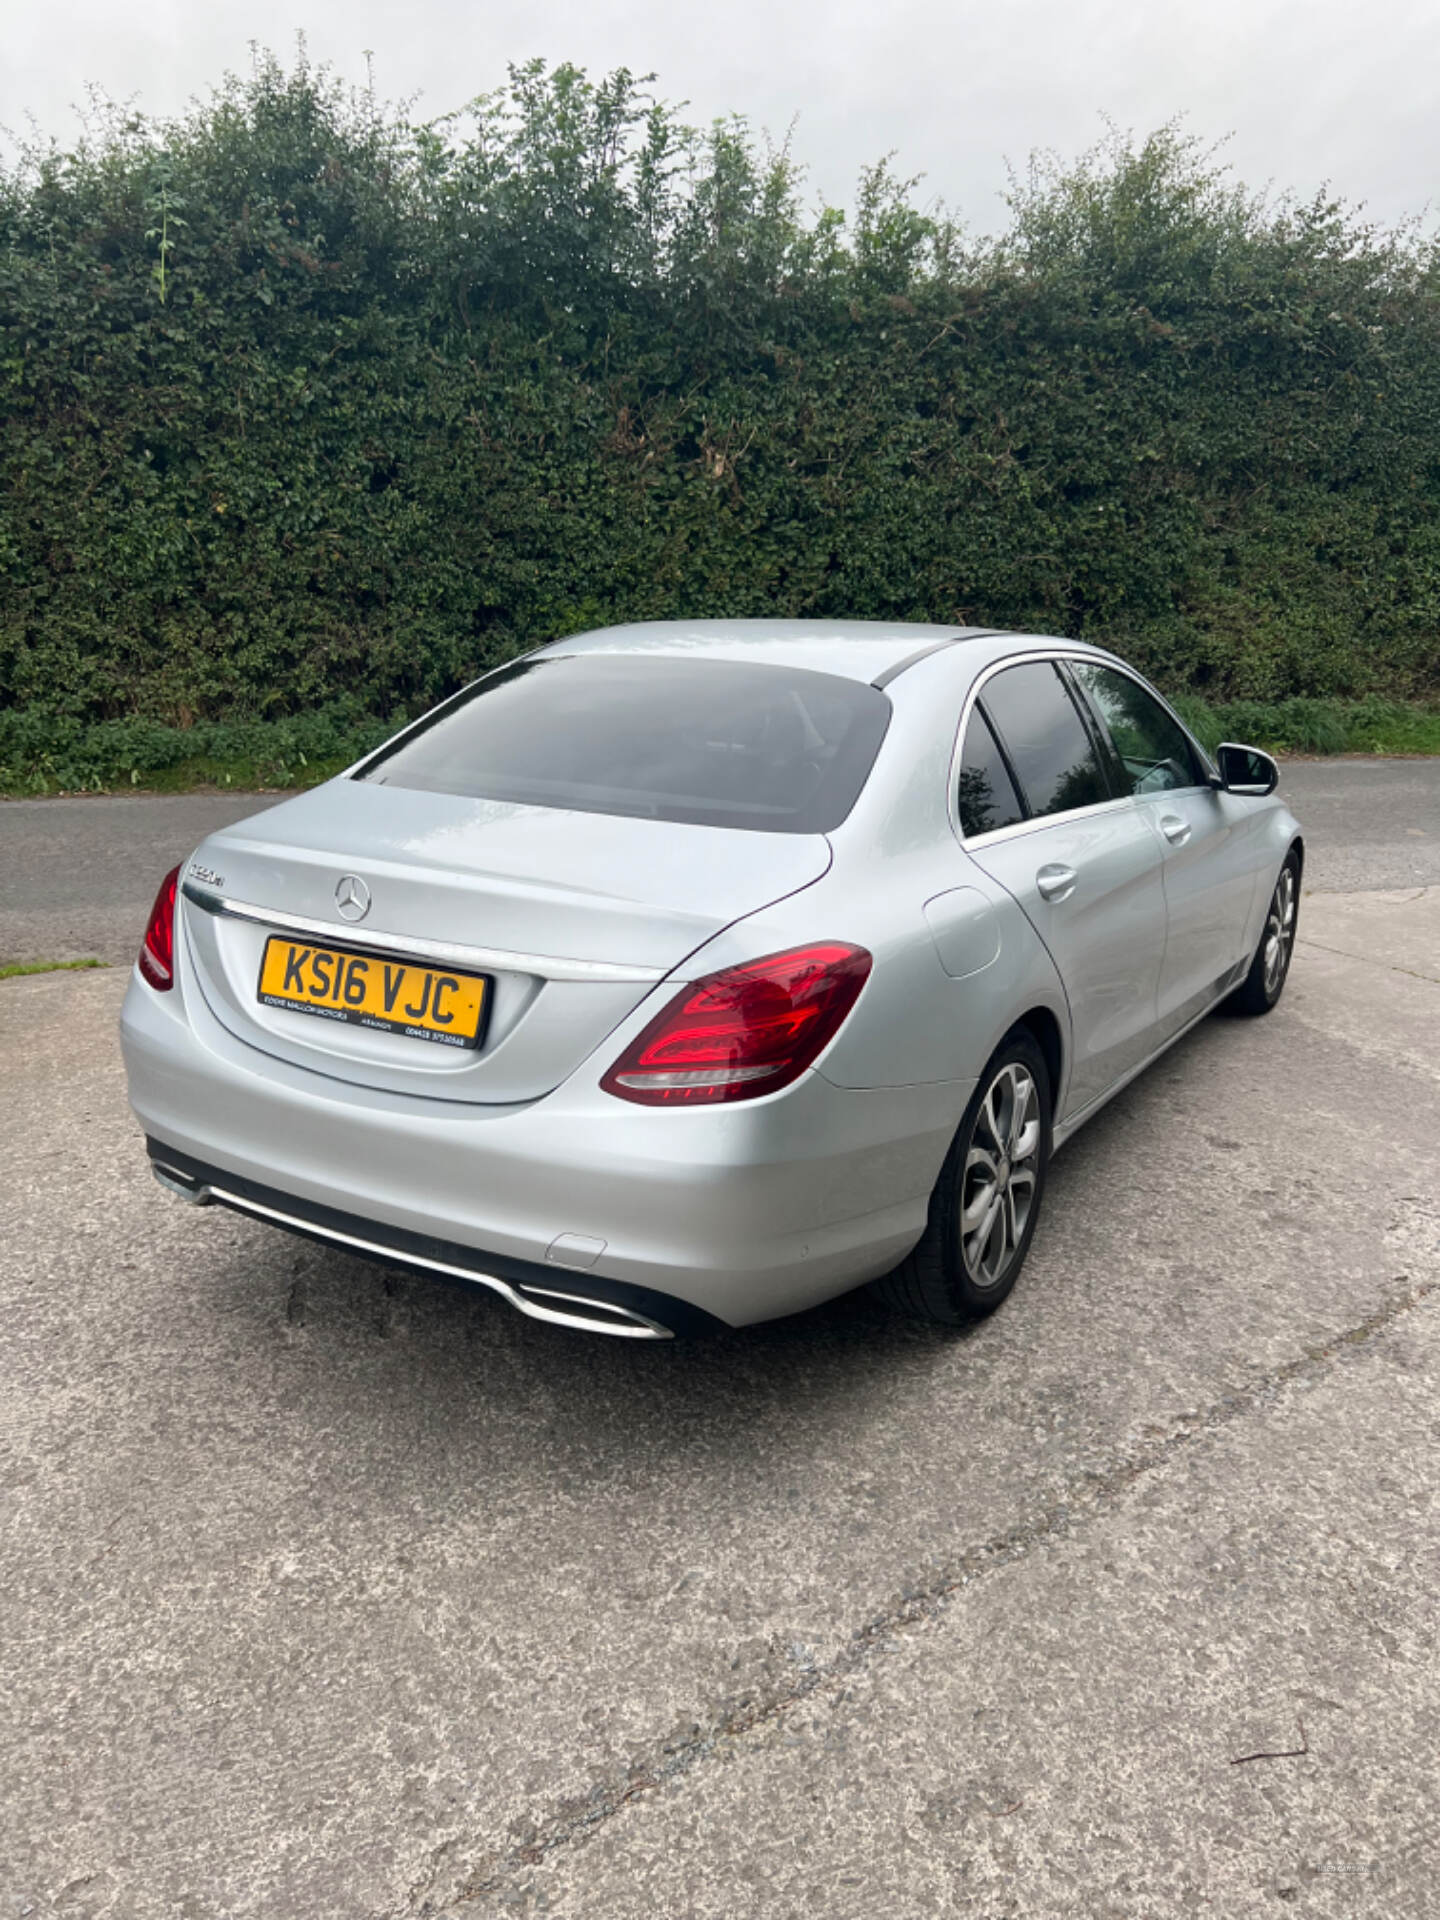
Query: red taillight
{"x": 157, "y": 949}
{"x": 744, "y": 1032}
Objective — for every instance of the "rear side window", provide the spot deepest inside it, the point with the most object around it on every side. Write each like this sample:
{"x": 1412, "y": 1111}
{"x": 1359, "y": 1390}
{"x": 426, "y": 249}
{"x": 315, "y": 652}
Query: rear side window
{"x": 1153, "y": 749}
{"x": 1047, "y": 742}
{"x": 986, "y": 796}
{"x": 705, "y": 742}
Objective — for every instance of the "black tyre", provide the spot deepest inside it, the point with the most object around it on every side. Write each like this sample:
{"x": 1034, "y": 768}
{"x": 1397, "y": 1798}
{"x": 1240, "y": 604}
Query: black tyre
{"x": 987, "y": 1200}
{"x": 1265, "y": 982}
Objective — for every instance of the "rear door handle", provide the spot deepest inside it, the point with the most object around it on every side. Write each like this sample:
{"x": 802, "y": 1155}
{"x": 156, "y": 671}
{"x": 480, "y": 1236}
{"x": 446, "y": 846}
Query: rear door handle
{"x": 1175, "y": 830}
{"x": 1055, "y": 883}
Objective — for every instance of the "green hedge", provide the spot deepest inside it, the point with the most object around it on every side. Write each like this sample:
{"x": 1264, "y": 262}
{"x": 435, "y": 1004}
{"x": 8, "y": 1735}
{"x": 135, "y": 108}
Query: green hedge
{"x": 309, "y": 411}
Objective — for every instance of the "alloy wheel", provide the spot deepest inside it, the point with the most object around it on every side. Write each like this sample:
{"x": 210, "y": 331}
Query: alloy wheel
{"x": 1001, "y": 1167}
{"x": 1279, "y": 930}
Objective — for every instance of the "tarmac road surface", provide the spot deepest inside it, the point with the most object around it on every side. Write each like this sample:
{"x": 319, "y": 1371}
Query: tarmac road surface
{"x": 77, "y": 876}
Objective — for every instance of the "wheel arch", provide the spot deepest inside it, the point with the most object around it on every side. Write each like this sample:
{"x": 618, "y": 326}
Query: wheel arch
{"x": 1042, "y": 1024}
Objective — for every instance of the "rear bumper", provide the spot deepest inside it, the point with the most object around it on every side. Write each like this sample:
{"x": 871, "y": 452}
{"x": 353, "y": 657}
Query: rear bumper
{"x": 728, "y": 1215}
{"x": 597, "y": 1306}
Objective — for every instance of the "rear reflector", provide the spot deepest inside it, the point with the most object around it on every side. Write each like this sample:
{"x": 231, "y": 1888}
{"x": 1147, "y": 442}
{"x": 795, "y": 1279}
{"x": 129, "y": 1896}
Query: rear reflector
{"x": 745, "y": 1032}
{"x": 157, "y": 950}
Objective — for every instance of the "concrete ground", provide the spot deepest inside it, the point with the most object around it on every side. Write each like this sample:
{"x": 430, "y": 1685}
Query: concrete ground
{"x": 328, "y": 1592}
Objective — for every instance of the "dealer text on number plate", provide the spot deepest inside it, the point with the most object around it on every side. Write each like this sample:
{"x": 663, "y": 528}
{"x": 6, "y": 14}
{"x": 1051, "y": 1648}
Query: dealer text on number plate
{"x": 369, "y": 991}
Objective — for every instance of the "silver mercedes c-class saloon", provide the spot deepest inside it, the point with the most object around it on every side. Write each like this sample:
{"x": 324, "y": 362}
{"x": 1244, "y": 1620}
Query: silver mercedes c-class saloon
{"x": 684, "y": 975}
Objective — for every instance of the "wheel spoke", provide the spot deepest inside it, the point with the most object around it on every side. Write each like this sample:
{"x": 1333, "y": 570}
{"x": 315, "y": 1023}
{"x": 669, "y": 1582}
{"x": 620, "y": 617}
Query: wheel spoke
{"x": 979, "y": 1239}
{"x": 1021, "y": 1197}
{"x": 981, "y": 1179}
{"x": 1024, "y": 1098}
{"x": 992, "y": 1112}
{"x": 1014, "y": 1223}
{"x": 977, "y": 1212}
{"x": 993, "y": 1246}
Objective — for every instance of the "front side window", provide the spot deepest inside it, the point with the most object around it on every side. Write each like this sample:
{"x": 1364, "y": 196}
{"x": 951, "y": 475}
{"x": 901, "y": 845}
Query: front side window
{"x": 707, "y": 742}
{"x": 1153, "y": 749}
{"x": 986, "y": 797}
{"x": 1046, "y": 741}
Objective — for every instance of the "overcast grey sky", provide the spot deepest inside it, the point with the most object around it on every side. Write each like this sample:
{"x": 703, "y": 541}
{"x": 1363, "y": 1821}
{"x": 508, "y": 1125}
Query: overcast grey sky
{"x": 1343, "y": 91}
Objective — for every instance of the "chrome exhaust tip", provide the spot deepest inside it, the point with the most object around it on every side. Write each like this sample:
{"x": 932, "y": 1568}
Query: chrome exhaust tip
{"x": 183, "y": 1185}
{"x": 595, "y": 1316}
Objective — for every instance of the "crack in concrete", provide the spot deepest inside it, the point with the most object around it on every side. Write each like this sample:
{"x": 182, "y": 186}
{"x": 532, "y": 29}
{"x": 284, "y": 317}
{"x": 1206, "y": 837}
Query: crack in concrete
{"x": 1089, "y": 1498}
{"x": 1367, "y": 960}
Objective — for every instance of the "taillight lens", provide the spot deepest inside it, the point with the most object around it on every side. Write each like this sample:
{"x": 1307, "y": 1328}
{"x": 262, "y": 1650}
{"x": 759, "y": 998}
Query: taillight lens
{"x": 744, "y": 1032}
{"x": 157, "y": 949}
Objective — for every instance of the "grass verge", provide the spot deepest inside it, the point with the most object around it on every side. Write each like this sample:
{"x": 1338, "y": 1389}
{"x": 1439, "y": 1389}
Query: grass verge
{"x": 17, "y": 967}
{"x": 1315, "y": 726}
{"x": 44, "y": 753}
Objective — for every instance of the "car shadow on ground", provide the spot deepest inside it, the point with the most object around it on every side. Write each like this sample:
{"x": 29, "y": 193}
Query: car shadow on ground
{"x": 355, "y": 1347}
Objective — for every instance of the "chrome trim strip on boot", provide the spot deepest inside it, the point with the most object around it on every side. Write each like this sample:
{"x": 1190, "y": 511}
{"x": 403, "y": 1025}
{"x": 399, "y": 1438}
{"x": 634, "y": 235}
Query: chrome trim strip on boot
{"x": 444, "y": 952}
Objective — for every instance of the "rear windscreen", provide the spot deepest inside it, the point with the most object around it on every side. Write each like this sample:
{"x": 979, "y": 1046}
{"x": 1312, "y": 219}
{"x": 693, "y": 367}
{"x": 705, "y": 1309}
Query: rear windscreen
{"x": 707, "y": 742}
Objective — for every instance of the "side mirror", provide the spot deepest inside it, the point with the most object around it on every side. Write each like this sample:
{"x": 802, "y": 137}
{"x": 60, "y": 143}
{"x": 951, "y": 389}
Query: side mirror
{"x": 1246, "y": 770}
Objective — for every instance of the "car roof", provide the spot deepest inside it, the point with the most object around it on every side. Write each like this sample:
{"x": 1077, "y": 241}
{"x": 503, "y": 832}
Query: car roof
{"x": 872, "y": 650}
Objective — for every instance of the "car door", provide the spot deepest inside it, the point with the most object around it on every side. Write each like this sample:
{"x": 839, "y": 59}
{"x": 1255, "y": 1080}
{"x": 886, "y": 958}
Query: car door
{"x": 1038, "y": 813}
{"x": 1208, "y": 871}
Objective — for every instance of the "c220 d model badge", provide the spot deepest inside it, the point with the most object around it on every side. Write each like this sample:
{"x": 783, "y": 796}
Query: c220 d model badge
{"x": 352, "y": 897}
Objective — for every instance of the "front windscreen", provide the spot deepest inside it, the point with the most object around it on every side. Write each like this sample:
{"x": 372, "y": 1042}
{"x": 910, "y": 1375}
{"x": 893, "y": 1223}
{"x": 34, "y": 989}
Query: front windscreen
{"x": 708, "y": 742}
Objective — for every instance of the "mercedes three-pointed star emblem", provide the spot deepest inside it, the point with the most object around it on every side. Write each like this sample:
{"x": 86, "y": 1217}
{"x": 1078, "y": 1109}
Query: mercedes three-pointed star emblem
{"x": 352, "y": 897}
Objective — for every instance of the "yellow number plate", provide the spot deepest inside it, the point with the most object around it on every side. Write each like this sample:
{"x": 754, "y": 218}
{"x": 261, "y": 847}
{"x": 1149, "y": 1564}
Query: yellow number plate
{"x": 368, "y": 991}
